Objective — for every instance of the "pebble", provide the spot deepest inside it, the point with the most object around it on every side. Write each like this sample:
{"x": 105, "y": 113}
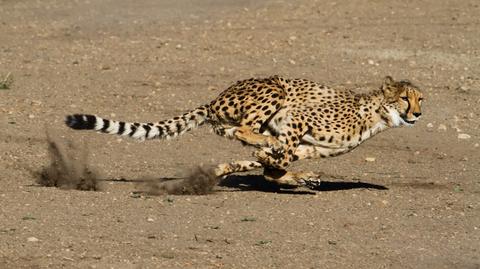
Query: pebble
{"x": 33, "y": 239}
{"x": 371, "y": 62}
{"x": 463, "y": 89}
{"x": 31, "y": 116}
{"x": 464, "y": 136}
{"x": 150, "y": 220}
{"x": 370, "y": 159}
{"x": 442, "y": 127}
{"x": 430, "y": 125}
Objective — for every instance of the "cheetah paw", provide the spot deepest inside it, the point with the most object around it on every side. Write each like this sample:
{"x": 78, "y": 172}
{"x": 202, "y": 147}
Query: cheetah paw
{"x": 312, "y": 183}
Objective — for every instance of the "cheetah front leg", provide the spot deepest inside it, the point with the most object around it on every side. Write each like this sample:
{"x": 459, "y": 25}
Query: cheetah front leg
{"x": 276, "y": 160}
{"x": 289, "y": 136}
{"x": 309, "y": 179}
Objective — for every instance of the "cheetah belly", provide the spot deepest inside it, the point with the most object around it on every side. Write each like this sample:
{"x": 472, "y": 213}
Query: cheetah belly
{"x": 325, "y": 148}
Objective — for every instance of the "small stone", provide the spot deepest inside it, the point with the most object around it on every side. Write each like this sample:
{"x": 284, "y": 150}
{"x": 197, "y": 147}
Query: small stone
{"x": 370, "y": 62}
{"x": 31, "y": 116}
{"x": 442, "y": 127}
{"x": 463, "y": 89}
{"x": 429, "y": 125}
{"x": 179, "y": 46}
{"x": 476, "y": 145}
{"x": 291, "y": 61}
{"x": 32, "y": 239}
{"x": 464, "y": 136}
{"x": 370, "y": 159}
{"x": 150, "y": 220}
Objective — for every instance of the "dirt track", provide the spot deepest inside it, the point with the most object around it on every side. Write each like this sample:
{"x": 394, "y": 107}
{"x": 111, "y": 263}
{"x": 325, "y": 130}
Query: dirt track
{"x": 416, "y": 206}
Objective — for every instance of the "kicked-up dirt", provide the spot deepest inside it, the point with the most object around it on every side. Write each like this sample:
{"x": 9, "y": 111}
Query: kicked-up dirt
{"x": 407, "y": 198}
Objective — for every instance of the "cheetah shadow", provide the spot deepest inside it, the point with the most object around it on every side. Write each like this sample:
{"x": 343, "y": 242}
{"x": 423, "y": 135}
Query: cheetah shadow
{"x": 259, "y": 183}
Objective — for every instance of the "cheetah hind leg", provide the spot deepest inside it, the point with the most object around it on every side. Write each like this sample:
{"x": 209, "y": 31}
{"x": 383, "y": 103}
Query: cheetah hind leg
{"x": 281, "y": 177}
{"x": 236, "y": 166}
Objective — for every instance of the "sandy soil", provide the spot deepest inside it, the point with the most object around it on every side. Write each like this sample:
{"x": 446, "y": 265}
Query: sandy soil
{"x": 416, "y": 206}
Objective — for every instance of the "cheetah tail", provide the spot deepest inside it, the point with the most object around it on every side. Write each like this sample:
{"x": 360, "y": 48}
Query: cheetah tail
{"x": 162, "y": 130}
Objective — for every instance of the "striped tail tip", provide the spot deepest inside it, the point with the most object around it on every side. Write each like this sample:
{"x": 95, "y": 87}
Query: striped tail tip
{"x": 81, "y": 121}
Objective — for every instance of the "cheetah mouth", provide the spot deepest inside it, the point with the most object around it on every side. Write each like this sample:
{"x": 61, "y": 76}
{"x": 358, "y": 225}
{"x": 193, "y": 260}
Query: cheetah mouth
{"x": 409, "y": 122}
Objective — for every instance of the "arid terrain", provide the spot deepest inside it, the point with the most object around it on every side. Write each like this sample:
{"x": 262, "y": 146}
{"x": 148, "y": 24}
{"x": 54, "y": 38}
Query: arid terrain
{"x": 407, "y": 198}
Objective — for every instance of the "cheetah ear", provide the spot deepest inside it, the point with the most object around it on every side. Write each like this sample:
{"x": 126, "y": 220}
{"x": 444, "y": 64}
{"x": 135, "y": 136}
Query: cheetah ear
{"x": 388, "y": 87}
{"x": 388, "y": 81}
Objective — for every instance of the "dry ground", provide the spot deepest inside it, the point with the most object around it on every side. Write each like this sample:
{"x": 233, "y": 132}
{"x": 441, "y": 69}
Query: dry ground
{"x": 416, "y": 206}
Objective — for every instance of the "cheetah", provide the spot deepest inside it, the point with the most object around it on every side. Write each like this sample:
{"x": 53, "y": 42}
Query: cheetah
{"x": 285, "y": 119}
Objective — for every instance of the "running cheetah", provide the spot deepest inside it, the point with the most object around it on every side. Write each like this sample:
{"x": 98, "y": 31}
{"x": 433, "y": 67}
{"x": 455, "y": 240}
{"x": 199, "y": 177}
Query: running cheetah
{"x": 286, "y": 119}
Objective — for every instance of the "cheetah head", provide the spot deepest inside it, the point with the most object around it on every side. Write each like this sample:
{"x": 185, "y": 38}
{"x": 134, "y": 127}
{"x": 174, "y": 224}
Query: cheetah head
{"x": 403, "y": 101}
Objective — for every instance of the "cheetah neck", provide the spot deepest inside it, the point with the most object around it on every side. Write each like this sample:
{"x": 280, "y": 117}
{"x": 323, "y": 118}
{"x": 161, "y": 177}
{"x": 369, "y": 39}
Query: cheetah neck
{"x": 379, "y": 117}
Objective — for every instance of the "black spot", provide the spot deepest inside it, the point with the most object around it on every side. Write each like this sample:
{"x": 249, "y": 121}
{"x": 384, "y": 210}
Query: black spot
{"x": 132, "y": 130}
{"x": 160, "y": 131}
{"x": 121, "y": 127}
{"x": 179, "y": 126}
{"x": 106, "y": 124}
{"x": 147, "y": 129}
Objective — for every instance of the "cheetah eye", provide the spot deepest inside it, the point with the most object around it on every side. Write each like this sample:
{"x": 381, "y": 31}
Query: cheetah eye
{"x": 404, "y": 98}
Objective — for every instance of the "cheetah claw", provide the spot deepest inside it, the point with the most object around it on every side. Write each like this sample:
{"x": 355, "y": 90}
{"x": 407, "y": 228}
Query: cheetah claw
{"x": 313, "y": 183}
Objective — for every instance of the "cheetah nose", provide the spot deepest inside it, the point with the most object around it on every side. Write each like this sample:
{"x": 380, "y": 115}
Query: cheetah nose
{"x": 417, "y": 114}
